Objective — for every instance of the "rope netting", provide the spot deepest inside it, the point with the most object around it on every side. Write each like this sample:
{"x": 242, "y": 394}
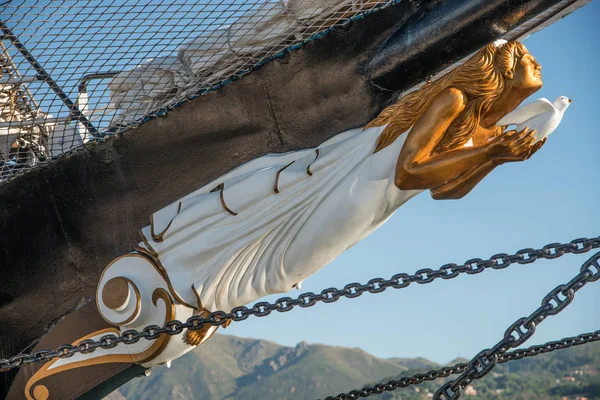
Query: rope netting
{"x": 75, "y": 71}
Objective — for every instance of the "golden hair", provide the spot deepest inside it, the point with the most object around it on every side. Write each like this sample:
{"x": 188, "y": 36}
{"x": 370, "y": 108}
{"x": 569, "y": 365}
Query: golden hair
{"x": 481, "y": 79}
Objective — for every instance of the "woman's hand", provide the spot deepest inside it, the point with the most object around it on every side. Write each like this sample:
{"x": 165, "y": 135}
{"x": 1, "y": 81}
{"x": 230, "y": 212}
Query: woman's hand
{"x": 513, "y": 146}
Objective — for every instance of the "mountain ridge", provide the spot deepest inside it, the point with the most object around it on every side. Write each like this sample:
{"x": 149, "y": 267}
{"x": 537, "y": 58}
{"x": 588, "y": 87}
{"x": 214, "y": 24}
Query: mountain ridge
{"x": 230, "y": 367}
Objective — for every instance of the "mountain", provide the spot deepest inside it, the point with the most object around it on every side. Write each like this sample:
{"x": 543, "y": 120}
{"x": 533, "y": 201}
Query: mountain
{"x": 228, "y": 367}
{"x": 416, "y": 363}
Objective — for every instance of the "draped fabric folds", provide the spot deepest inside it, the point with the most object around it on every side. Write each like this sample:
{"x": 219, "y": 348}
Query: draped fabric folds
{"x": 272, "y": 222}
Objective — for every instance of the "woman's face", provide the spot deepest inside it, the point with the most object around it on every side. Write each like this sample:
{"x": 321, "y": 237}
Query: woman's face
{"x": 527, "y": 73}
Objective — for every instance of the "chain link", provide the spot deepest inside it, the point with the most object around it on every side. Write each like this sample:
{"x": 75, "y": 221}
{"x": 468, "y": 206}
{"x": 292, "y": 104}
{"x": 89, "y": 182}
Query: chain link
{"x": 444, "y": 372}
{"x": 309, "y": 299}
{"x": 522, "y": 329}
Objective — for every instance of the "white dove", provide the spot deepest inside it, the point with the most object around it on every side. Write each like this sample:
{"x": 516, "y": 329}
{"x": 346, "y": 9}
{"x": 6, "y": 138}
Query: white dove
{"x": 540, "y": 115}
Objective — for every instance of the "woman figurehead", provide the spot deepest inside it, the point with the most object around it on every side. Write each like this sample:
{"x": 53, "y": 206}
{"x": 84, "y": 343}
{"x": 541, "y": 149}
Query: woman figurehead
{"x": 483, "y": 78}
{"x": 466, "y": 103}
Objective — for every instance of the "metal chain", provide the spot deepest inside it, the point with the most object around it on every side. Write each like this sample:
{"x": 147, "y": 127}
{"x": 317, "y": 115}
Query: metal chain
{"x": 521, "y": 330}
{"x": 309, "y": 299}
{"x": 462, "y": 367}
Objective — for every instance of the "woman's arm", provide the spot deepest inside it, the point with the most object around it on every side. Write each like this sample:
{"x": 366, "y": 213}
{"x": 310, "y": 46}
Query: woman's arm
{"x": 460, "y": 186}
{"x": 417, "y": 168}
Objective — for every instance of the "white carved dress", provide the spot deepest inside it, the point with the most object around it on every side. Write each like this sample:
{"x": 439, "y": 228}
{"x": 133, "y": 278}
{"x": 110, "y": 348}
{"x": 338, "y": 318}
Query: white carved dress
{"x": 272, "y": 222}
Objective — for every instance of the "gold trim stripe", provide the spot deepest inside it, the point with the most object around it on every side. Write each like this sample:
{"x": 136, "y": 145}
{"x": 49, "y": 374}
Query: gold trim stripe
{"x": 197, "y": 297}
{"x": 308, "y": 171}
{"x": 143, "y": 251}
{"x": 149, "y": 250}
{"x": 221, "y": 188}
{"x": 45, "y": 372}
{"x": 155, "y": 262}
{"x": 147, "y": 355}
{"x": 276, "y": 187}
{"x": 159, "y": 293}
{"x": 159, "y": 237}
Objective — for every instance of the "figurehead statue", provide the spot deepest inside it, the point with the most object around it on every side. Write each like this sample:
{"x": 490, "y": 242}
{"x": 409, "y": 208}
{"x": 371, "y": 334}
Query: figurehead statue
{"x": 452, "y": 122}
{"x": 270, "y": 223}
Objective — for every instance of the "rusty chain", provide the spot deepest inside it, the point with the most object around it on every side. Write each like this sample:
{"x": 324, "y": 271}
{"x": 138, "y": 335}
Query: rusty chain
{"x": 309, "y": 299}
{"x": 444, "y": 372}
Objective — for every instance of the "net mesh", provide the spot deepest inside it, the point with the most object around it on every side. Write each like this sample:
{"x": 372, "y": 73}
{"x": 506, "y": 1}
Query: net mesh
{"x": 77, "y": 71}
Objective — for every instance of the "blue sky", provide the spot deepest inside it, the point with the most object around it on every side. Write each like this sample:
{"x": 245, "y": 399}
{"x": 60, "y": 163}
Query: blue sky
{"x": 552, "y": 197}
